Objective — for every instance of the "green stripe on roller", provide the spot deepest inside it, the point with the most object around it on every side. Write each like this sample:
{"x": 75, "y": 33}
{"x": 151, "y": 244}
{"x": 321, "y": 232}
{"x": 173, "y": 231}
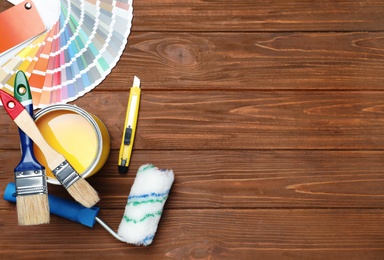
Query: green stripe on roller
{"x": 149, "y": 215}
{"x": 149, "y": 166}
{"x": 150, "y": 201}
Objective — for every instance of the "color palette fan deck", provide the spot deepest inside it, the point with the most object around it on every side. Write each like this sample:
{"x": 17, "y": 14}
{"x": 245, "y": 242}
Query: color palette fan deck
{"x": 74, "y": 54}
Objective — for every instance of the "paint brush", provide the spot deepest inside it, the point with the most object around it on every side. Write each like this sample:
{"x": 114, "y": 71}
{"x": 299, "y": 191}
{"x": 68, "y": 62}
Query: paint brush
{"x": 76, "y": 186}
{"x": 30, "y": 179}
{"x": 143, "y": 210}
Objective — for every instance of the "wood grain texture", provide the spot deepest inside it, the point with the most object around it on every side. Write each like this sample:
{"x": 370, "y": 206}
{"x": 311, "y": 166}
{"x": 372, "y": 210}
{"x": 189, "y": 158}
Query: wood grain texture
{"x": 265, "y": 15}
{"x": 184, "y": 120}
{"x": 251, "y": 61}
{"x": 226, "y": 234}
{"x": 245, "y": 179}
{"x": 270, "y": 113}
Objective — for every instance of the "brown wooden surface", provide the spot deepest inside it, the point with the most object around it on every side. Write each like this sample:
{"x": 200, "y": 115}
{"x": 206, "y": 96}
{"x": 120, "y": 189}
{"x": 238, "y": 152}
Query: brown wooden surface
{"x": 270, "y": 113}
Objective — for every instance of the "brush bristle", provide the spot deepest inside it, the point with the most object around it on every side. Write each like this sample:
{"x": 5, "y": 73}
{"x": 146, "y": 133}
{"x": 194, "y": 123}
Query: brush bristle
{"x": 32, "y": 209}
{"x": 83, "y": 193}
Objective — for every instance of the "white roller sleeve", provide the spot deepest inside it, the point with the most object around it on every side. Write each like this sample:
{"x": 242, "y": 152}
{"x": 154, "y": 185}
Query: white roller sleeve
{"x": 145, "y": 205}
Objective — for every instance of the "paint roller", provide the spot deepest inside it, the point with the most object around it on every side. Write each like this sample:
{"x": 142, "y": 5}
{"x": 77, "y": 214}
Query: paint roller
{"x": 142, "y": 213}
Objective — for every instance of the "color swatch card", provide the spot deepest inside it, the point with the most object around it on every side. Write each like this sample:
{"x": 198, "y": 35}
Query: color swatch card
{"x": 75, "y": 54}
{"x": 19, "y": 24}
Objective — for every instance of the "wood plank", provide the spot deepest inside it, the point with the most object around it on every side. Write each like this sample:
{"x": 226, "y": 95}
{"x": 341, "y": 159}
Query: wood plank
{"x": 246, "y": 61}
{"x": 270, "y": 114}
{"x": 256, "y": 179}
{"x": 181, "y": 120}
{"x": 228, "y": 234}
{"x": 254, "y": 16}
{"x": 250, "y": 120}
{"x": 265, "y": 61}
{"x": 222, "y": 179}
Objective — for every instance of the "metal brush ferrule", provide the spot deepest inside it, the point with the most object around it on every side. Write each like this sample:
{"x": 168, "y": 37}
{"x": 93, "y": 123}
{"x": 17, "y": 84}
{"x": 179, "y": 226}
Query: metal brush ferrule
{"x": 65, "y": 174}
{"x": 30, "y": 182}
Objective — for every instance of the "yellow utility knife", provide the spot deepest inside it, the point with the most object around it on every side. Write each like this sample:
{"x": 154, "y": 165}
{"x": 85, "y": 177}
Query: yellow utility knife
{"x": 129, "y": 126}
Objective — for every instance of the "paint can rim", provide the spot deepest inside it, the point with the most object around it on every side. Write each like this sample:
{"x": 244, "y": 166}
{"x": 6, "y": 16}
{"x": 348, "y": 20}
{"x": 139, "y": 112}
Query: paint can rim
{"x": 90, "y": 119}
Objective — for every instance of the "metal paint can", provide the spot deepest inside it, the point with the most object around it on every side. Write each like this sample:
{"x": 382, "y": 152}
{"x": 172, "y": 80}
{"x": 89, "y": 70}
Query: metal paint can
{"x": 82, "y": 138}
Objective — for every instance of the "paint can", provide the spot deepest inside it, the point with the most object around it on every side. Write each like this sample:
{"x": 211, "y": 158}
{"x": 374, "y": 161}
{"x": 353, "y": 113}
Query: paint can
{"x": 82, "y": 138}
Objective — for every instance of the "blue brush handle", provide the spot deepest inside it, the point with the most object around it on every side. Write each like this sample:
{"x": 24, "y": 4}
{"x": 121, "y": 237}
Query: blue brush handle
{"x": 28, "y": 160}
{"x": 61, "y": 207}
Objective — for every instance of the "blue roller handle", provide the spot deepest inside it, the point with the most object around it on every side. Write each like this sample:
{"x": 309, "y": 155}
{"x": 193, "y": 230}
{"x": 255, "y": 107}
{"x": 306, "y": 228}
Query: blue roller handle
{"x": 61, "y": 207}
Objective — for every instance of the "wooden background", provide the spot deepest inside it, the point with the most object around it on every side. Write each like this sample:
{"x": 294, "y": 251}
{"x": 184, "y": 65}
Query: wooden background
{"x": 270, "y": 113}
